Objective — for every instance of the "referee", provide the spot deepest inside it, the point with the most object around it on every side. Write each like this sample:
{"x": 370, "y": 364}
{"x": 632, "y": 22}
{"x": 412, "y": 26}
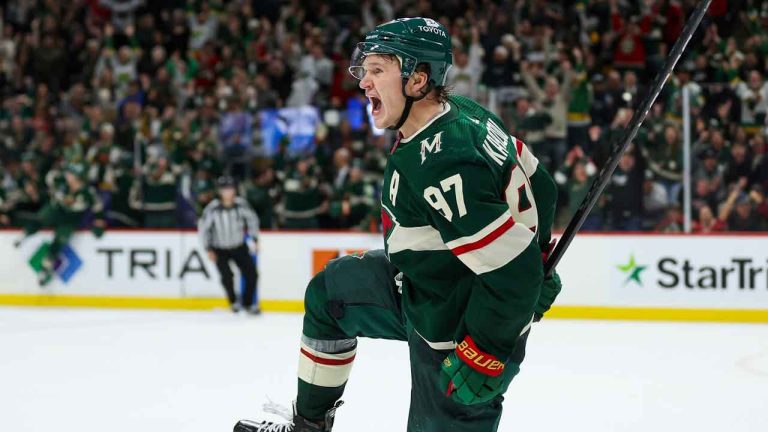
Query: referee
{"x": 223, "y": 228}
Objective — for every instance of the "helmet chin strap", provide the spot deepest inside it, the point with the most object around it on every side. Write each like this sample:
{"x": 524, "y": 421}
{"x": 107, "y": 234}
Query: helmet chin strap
{"x": 409, "y": 100}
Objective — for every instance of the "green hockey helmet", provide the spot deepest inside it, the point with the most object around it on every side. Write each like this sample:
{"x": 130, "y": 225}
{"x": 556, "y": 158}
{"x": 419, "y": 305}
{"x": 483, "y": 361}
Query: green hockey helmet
{"x": 413, "y": 41}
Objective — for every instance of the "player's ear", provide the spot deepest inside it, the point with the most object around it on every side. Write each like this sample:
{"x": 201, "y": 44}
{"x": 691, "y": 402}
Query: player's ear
{"x": 419, "y": 81}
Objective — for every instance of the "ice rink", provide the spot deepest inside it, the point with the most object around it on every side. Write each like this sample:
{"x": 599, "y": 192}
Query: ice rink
{"x": 153, "y": 371}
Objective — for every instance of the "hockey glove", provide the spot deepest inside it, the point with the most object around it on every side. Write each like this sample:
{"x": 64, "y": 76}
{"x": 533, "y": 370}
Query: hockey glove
{"x": 550, "y": 288}
{"x": 470, "y": 376}
{"x": 98, "y": 228}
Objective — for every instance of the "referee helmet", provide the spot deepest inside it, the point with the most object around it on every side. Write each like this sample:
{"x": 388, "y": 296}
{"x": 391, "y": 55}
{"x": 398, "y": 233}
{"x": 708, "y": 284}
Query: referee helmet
{"x": 225, "y": 182}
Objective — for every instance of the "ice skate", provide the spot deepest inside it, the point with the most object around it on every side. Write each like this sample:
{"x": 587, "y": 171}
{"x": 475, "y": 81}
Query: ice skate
{"x": 44, "y": 278}
{"x": 18, "y": 242}
{"x": 294, "y": 422}
{"x": 45, "y": 275}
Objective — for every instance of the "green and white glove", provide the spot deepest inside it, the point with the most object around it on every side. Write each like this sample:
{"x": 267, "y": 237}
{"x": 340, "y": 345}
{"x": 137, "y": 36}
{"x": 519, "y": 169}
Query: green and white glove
{"x": 470, "y": 376}
{"x": 550, "y": 288}
{"x": 98, "y": 227}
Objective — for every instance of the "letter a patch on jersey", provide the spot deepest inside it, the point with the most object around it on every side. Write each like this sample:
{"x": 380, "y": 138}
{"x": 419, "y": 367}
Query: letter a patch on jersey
{"x": 430, "y": 147}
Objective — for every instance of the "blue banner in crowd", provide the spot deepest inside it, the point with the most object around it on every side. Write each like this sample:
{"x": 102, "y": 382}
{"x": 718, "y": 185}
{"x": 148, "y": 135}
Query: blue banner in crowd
{"x": 355, "y": 114}
{"x": 298, "y": 124}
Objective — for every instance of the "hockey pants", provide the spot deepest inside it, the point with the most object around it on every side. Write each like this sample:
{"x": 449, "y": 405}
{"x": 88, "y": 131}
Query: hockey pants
{"x": 356, "y": 296}
{"x": 63, "y": 228}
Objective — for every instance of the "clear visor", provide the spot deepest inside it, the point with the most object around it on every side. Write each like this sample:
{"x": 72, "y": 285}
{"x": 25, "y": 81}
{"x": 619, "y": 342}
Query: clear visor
{"x": 366, "y": 49}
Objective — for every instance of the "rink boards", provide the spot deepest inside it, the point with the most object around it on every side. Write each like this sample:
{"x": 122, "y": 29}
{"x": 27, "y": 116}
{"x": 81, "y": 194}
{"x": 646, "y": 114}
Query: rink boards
{"x": 653, "y": 277}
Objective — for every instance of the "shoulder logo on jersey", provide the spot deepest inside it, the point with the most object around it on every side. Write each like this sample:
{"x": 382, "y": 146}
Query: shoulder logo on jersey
{"x": 430, "y": 147}
{"x": 495, "y": 143}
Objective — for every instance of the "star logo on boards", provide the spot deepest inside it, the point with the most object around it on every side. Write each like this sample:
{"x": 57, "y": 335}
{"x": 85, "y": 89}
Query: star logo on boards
{"x": 632, "y": 270}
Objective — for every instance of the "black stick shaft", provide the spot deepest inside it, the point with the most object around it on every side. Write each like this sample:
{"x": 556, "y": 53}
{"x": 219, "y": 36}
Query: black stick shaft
{"x": 629, "y": 134}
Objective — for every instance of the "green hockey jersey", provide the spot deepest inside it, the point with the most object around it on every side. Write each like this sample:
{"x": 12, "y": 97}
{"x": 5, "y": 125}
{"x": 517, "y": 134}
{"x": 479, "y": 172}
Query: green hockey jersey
{"x": 462, "y": 224}
{"x": 72, "y": 204}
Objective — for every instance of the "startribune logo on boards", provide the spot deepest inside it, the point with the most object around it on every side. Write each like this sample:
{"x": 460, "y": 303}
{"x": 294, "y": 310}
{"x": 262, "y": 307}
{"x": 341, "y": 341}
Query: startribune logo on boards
{"x": 632, "y": 270}
{"x": 674, "y": 272}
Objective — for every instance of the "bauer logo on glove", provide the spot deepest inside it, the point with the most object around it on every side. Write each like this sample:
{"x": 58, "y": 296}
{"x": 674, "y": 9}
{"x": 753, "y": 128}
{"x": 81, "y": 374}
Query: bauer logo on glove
{"x": 470, "y": 375}
{"x": 479, "y": 361}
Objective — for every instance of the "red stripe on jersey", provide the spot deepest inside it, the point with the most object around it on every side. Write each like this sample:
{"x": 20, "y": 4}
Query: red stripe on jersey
{"x": 519, "y": 146}
{"x": 325, "y": 361}
{"x": 493, "y": 235}
{"x": 397, "y": 143}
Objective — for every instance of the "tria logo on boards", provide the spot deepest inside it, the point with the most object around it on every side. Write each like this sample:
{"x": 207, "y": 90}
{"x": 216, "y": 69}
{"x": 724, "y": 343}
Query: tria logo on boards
{"x": 66, "y": 265}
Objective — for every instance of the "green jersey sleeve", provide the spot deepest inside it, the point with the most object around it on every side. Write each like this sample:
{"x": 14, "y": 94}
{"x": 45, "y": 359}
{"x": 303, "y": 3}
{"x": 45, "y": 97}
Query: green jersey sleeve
{"x": 467, "y": 206}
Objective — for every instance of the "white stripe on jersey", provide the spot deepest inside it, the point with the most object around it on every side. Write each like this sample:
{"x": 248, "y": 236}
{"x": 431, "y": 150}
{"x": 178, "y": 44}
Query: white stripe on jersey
{"x": 525, "y": 157}
{"x": 501, "y": 242}
{"x": 493, "y": 226}
{"x": 500, "y": 251}
{"x": 524, "y": 211}
{"x": 439, "y": 346}
{"x": 420, "y": 238}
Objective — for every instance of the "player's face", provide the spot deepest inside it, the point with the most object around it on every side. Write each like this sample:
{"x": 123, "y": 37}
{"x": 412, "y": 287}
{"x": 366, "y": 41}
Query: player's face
{"x": 227, "y": 194}
{"x": 383, "y": 88}
{"x": 71, "y": 179}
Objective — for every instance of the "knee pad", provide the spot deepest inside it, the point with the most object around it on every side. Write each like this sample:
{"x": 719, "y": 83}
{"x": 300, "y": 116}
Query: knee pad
{"x": 319, "y": 321}
{"x": 316, "y": 294}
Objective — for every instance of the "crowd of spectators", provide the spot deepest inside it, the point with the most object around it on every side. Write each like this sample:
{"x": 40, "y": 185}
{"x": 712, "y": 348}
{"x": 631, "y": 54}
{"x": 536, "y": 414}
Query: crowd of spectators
{"x": 158, "y": 98}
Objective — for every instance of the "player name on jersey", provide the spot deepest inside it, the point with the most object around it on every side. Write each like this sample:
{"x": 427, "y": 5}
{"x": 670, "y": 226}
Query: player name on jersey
{"x": 495, "y": 143}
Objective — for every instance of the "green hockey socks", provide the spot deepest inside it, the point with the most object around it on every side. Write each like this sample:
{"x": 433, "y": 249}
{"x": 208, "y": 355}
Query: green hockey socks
{"x": 324, "y": 367}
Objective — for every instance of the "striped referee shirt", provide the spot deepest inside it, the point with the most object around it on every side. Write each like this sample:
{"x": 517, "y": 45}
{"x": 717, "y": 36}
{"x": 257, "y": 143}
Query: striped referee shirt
{"x": 223, "y": 227}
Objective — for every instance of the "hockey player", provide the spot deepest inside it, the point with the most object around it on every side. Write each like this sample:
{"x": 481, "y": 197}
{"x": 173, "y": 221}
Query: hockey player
{"x": 64, "y": 212}
{"x": 467, "y": 213}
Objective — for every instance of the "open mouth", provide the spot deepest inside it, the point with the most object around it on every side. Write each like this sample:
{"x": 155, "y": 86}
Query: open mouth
{"x": 375, "y": 105}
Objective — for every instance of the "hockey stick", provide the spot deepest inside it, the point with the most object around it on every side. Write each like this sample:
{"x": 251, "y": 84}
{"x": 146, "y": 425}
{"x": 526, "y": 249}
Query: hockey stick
{"x": 629, "y": 134}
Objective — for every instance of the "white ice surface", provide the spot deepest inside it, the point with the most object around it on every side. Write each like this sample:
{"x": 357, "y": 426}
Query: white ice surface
{"x": 128, "y": 371}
